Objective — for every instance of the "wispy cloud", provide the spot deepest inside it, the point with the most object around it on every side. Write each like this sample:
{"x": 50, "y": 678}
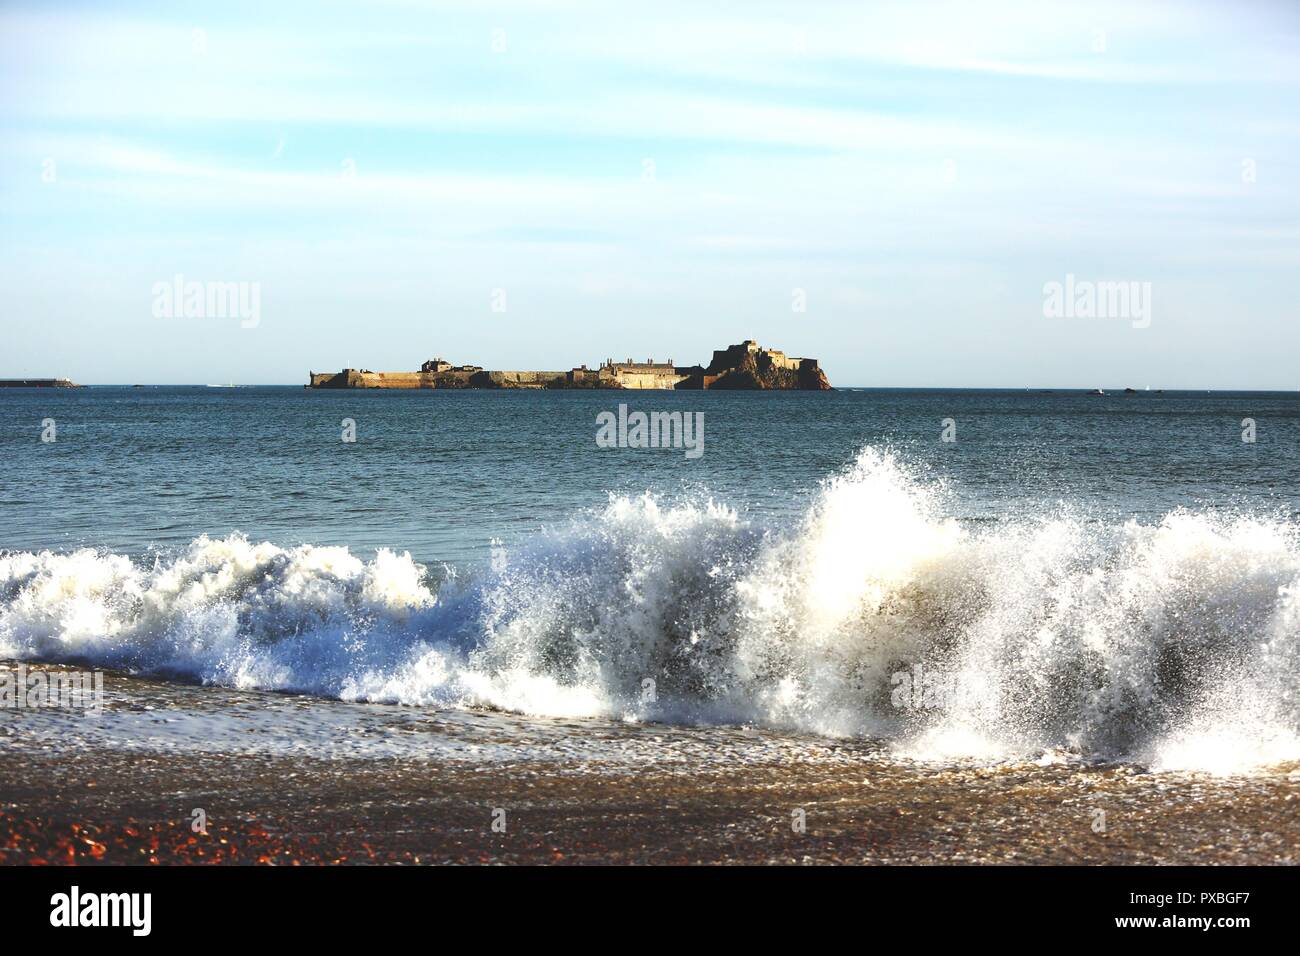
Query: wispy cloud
{"x": 925, "y": 166}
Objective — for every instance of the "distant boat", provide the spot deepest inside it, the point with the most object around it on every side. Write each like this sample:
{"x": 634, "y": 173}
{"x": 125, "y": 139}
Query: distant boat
{"x": 1096, "y": 391}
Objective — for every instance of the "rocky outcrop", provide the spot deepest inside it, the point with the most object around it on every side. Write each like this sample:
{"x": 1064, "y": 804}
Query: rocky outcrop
{"x": 757, "y": 371}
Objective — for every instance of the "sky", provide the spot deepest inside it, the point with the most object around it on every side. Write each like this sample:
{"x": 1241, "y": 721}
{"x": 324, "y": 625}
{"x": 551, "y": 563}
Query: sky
{"x": 892, "y": 188}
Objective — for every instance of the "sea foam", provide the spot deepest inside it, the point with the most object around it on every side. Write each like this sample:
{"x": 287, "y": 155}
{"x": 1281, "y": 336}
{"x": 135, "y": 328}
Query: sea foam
{"x": 1175, "y": 643}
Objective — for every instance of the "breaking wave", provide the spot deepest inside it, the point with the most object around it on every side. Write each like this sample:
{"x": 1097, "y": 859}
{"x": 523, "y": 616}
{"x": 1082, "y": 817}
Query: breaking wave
{"x": 1176, "y": 643}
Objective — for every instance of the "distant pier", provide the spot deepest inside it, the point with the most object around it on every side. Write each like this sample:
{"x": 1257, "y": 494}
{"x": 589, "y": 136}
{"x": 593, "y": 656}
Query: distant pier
{"x": 37, "y": 383}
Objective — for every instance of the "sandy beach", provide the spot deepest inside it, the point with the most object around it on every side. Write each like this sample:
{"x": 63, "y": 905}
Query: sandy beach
{"x": 428, "y": 787}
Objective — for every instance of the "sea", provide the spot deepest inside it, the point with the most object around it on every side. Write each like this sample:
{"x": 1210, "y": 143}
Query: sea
{"x": 954, "y": 576}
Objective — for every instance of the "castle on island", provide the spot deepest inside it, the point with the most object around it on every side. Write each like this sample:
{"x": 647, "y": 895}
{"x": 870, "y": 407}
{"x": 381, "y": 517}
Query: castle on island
{"x": 743, "y": 366}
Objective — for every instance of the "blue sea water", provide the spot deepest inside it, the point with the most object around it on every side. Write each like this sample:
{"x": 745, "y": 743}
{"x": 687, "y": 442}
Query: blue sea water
{"x": 1106, "y": 576}
{"x": 441, "y": 474}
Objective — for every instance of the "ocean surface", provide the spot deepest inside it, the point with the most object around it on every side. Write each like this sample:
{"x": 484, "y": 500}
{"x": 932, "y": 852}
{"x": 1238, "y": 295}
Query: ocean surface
{"x": 1073, "y": 577}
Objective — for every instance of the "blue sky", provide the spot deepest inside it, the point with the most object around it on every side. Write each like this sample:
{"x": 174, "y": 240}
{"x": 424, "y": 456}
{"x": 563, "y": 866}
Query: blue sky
{"x": 653, "y": 180}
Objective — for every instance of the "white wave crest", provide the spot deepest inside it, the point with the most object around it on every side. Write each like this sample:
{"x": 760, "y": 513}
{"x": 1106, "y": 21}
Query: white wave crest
{"x": 1175, "y": 643}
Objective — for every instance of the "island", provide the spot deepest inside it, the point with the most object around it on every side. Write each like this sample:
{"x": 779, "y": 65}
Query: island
{"x": 37, "y": 383}
{"x": 743, "y": 366}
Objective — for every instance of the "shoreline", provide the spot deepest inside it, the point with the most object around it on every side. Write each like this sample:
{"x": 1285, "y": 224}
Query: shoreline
{"x": 286, "y": 779}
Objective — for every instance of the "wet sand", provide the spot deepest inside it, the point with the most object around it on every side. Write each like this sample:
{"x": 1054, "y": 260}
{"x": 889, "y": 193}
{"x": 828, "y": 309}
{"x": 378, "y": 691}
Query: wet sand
{"x": 136, "y": 808}
{"x": 427, "y": 788}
